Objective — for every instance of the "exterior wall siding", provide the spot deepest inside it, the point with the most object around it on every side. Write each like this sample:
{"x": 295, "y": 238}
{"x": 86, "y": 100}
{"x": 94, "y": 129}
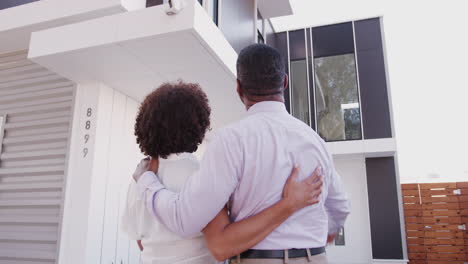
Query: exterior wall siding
{"x": 33, "y": 162}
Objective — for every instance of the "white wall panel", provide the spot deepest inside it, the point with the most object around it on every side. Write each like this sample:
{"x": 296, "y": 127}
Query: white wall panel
{"x": 127, "y": 251}
{"x": 357, "y": 249}
{"x": 95, "y": 193}
{"x": 37, "y": 104}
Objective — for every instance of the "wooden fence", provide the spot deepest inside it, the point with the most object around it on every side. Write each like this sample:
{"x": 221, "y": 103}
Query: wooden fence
{"x": 436, "y": 216}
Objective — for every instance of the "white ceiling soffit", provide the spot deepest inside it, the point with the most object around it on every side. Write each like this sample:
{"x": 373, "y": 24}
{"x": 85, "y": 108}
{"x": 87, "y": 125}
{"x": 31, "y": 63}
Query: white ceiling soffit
{"x": 17, "y": 23}
{"x": 369, "y": 148}
{"x": 274, "y": 8}
{"x": 135, "y": 52}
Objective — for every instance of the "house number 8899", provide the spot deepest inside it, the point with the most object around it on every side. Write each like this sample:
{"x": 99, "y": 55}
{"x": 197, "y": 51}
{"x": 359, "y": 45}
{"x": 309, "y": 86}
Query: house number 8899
{"x": 89, "y": 113}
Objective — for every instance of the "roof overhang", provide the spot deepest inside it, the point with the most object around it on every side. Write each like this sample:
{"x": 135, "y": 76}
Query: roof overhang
{"x": 17, "y": 23}
{"x": 275, "y": 8}
{"x": 136, "y": 51}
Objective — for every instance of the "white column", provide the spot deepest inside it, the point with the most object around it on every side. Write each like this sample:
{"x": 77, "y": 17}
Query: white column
{"x": 103, "y": 153}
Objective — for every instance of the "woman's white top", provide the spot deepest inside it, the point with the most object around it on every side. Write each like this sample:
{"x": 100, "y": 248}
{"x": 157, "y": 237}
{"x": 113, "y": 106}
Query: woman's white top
{"x": 161, "y": 246}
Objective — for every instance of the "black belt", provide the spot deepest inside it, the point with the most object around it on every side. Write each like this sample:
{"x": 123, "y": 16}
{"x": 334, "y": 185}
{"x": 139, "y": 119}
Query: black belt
{"x": 279, "y": 254}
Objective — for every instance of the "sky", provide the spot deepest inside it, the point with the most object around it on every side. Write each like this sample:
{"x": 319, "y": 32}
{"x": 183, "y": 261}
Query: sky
{"x": 427, "y": 56}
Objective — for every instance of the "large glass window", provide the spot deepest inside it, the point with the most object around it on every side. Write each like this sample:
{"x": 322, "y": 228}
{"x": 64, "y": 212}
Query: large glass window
{"x": 298, "y": 76}
{"x": 336, "y": 97}
{"x": 300, "y": 95}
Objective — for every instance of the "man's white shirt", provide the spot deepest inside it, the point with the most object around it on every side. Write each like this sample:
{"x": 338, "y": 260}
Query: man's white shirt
{"x": 246, "y": 166}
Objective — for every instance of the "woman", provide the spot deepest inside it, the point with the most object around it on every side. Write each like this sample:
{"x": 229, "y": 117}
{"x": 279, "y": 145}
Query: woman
{"x": 170, "y": 126}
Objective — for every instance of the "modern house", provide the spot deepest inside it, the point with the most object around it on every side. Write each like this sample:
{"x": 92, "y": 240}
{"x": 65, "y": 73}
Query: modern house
{"x": 72, "y": 74}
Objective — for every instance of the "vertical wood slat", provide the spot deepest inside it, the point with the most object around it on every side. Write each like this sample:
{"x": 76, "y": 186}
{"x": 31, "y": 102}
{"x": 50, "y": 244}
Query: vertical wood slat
{"x": 414, "y": 228}
{"x": 433, "y": 214}
{"x": 463, "y": 204}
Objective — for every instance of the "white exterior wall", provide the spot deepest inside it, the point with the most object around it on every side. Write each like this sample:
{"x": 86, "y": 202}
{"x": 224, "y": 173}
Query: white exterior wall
{"x": 358, "y": 248}
{"x": 98, "y": 181}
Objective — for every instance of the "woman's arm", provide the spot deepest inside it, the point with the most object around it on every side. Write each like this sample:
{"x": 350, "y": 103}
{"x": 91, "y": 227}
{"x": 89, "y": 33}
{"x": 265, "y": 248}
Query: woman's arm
{"x": 226, "y": 239}
{"x": 140, "y": 245}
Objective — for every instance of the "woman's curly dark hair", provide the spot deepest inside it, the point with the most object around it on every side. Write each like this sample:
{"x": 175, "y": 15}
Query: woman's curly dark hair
{"x": 172, "y": 119}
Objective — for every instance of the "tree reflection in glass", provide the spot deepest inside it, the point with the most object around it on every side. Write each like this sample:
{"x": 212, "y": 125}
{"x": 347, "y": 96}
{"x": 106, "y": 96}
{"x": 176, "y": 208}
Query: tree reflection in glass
{"x": 336, "y": 93}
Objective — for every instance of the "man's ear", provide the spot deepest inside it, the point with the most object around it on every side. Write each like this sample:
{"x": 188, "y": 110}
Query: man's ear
{"x": 286, "y": 82}
{"x": 239, "y": 89}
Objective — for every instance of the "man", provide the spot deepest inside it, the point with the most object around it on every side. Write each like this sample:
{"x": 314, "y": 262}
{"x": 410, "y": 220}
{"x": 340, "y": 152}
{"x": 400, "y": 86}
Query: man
{"x": 246, "y": 166}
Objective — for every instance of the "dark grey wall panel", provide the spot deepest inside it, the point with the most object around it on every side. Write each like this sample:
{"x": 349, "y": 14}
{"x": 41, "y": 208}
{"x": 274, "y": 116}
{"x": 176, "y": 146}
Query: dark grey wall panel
{"x": 150, "y": 3}
{"x": 384, "y": 208}
{"x": 297, "y": 45}
{"x": 368, "y": 34}
{"x": 11, "y": 3}
{"x": 237, "y": 22}
{"x": 372, "y": 80}
{"x": 333, "y": 40}
{"x": 311, "y": 78}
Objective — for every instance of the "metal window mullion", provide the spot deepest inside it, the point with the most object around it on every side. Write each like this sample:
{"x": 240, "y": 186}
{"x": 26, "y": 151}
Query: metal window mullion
{"x": 357, "y": 81}
{"x": 313, "y": 80}
{"x": 307, "y": 74}
{"x": 290, "y": 74}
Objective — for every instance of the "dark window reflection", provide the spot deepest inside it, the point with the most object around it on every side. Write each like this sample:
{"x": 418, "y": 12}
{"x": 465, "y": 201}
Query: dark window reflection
{"x": 297, "y": 45}
{"x": 260, "y": 38}
{"x": 259, "y": 22}
{"x": 298, "y": 77}
{"x": 4, "y": 4}
{"x": 281, "y": 44}
{"x": 338, "y": 113}
{"x": 215, "y": 6}
{"x": 300, "y": 94}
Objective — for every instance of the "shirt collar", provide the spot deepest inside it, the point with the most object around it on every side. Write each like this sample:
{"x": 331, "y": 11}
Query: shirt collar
{"x": 267, "y": 106}
{"x": 176, "y": 157}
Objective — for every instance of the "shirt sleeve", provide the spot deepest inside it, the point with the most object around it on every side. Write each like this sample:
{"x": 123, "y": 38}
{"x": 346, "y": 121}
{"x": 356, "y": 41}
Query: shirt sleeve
{"x": 203, "y": 195}
{"x": 337, "y": 204}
